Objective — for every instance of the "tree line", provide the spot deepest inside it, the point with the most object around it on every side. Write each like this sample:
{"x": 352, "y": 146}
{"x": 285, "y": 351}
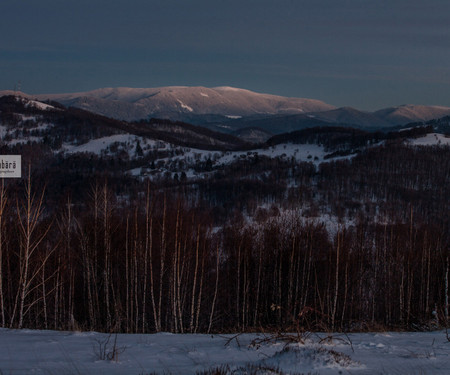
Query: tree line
{"x": 156, "y": 263}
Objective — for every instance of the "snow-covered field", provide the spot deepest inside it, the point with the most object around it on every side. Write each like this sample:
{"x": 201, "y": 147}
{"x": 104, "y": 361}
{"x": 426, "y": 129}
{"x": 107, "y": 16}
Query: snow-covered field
{"x": 432, "y": 139}
{"x": 51, "y": 352}
{"x": 97, "y": 146}
{"x": 300, "y": 152}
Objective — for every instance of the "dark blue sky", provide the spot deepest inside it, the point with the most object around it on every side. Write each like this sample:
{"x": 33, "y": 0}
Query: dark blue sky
{"x": 363, "y": 53}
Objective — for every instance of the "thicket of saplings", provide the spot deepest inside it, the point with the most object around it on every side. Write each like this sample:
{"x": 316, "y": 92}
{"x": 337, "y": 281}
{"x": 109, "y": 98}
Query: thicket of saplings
{"x": 159, "y": 265}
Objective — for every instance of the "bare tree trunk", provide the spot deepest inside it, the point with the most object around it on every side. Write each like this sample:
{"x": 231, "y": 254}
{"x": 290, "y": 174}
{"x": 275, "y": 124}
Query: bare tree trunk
{"x": 345, "y": 295}
{"x": 65, "y": 227}
{"x": 308, "y": 271}
{"x": 194, "y": 282}
{"x": 136, "y": 273}
{"x": 200, "y": 292}
{"x": 245, "y": 291}
{"x": 127, "y": 277}
{"x": 162, "y": 265}
{"x": 291, "y": 269}
{"x": 401, "y": 297}
{"x": 88, "y": 275}
{"x": 409, "y": 270}
{"x": 446, "y": 290}
{"x": 258, "y": 284}
{"x": 92, "y": 256}
{"x": 144, "y": 286}
{"x": 179, "y": 279}
{"x": 302, "y": 289}
{"x": 57, "y": 292}
{"x": 427, "y": 290}
{"x": 410, "y": 279}
{"x": 28, "y": 223}
{"x": 175, "y": 274}
{"x": 95, "y": 251}
{"x": 149, "y": 250}
{"x": 279, "y": 283}
{"x": 211, "y": 316}
{"x": 375, "y": 277}
{"x": 336, "y": 282}
{"x": 107, "y": 249}
{"x": 3, "y": 200}
{"x": 238, "y": 286}
{"x": 44, "y": 298}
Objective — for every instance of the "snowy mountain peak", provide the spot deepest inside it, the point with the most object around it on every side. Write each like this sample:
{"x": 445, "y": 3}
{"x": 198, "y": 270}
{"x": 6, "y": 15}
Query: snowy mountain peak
{"x": 203, "y": 105}
{"x": 229, "y": 88}
{"x": 137, "y": 103}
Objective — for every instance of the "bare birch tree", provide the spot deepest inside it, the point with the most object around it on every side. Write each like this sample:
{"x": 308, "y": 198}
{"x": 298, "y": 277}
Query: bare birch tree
{"x": 3, "y": 200}
{"x": 29, "y": 215}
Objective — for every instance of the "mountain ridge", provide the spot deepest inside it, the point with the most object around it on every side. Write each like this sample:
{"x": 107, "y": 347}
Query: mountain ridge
{"x": 223, "y": 100}
{"x": 225, "y": 107}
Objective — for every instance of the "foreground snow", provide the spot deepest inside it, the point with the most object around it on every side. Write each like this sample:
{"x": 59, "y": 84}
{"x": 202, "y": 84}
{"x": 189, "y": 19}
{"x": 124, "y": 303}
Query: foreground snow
{"x": 50, "y": 352}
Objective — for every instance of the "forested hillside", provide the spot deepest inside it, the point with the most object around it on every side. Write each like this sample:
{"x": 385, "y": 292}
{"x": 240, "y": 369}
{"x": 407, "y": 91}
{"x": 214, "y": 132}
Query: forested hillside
{"x": 114, "y": 227}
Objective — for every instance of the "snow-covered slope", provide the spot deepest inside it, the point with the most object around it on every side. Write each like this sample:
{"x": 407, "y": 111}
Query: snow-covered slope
{"x": 50, "y": 352}
{"x": 137, "y": 103}
{"x": 166, "y": 141}
{"x": 432, "y": 139}
{"x": 192, "y": 104}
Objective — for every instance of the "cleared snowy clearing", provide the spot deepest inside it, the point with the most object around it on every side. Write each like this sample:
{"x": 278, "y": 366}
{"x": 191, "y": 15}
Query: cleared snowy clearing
{"x": 301, "y": 152}
{"x": 432, "y": 139}
{"x": 51, "y": 352}
{"x": 39, "y": 105}
{"x": 96, "y": 146}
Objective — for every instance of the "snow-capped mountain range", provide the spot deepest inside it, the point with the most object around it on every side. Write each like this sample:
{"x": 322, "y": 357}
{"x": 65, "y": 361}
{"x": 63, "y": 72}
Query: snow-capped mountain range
{"x": 230, "y": 109}
{"x": 137, "y": 103}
